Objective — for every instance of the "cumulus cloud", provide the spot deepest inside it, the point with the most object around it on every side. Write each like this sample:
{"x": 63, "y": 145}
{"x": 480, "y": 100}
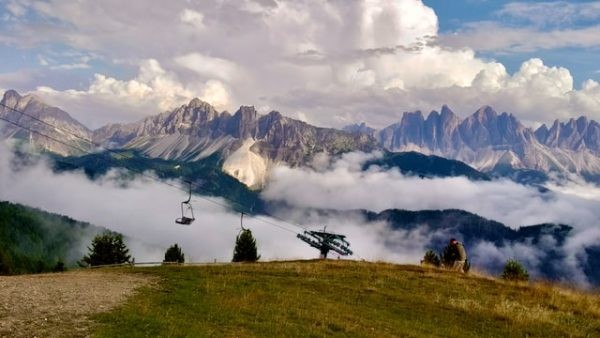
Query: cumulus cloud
{"x": 329, "y": 63}
{"x": 194, "y": 18}
{"x": 153, "y": 90}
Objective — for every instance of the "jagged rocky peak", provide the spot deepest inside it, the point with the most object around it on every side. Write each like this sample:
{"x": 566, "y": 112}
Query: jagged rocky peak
{"x": 197, "y": 103}
{"x": 246, "y": 113}
{"x": 244, "y": 122}
{"x": 446, "y": 111}
{"x": 195, "y": 113}
{"x": 32, "y": 106}
{"x": 11, "y": 97}
{"x": 582, "y": 124}
{"x": 541, "y": 134}
{"x": 483, "y": 115}
{"x": 412, "y": 117}
{"x": 360, "y": 128}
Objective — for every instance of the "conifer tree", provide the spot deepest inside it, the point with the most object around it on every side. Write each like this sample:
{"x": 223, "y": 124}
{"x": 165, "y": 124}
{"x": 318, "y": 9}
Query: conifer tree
{"x": 431, "y": 258}
{"x": 174, "y": 254}
{"x": 245, "y": 247}
{"x": 107, "y": 248}
{"x": 515, "y": 271}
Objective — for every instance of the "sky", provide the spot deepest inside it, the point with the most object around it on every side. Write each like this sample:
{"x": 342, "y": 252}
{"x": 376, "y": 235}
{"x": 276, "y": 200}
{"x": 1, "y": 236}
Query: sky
{"x": 330, "y": 63}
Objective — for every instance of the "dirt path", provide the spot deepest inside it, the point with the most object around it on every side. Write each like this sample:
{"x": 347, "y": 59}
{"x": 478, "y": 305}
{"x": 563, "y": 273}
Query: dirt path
{"x": 58, "y": 304}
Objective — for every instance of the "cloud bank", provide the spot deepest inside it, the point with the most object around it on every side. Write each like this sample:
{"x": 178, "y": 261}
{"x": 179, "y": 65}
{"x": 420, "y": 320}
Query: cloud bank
{"x": 340, "y": 184}
{"x": 145, "y": 210}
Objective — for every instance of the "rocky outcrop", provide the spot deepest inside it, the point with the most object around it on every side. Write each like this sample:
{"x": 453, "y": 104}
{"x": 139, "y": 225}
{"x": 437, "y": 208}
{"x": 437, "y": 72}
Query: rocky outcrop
{"x": 40, "y": 118}
{"x": 487, "y": 139}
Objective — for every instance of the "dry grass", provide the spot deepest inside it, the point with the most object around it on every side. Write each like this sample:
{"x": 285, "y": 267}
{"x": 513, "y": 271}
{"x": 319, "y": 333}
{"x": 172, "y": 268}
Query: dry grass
{"x": 59, "y": 304}
{"x": 344, "y": 298}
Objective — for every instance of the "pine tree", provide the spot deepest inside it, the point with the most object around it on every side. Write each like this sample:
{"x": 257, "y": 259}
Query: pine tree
{"x": 107, "y": 248}
{"x": 245, "y": 247}
{"x": 431, "y": 258}
{"x": 513, "y": 270}
{"x": 174, "y": 254}
{"x": 448, "y": 256}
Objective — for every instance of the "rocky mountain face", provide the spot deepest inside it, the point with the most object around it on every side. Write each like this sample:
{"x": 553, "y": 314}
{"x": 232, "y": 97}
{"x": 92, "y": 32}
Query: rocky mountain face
{"x": 488, "y": 140}
{"x": 251, "y": 143}
{"x": 34, "y": 107}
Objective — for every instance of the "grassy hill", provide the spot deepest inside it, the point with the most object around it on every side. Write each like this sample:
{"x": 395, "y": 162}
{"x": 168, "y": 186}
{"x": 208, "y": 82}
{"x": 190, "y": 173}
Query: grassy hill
{"x": 345, "y": 298}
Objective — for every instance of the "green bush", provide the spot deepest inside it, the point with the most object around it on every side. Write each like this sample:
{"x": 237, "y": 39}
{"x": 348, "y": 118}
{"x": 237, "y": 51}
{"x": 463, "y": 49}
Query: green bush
{"x": 431, "y": 258}
{"x": 59, "y": 267}
{"x": 245, "y": 248}
{"x": 514, "y": 271}
{"x": 107, "y": 248}
{"x": 174, "y": 255}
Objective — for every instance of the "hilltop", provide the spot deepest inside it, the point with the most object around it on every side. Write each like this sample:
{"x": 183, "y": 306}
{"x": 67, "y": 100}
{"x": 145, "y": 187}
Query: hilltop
{"x": 326, "y": 298}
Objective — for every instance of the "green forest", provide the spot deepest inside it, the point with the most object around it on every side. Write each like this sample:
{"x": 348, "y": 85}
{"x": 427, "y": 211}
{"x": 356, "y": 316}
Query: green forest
{"x": 33, "y": 241}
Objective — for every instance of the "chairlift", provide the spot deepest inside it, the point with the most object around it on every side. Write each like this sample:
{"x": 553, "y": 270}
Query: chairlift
{"x": 242, "y": 229}
{"x": 242, "y": 222}
{"x": 186, "y": 210}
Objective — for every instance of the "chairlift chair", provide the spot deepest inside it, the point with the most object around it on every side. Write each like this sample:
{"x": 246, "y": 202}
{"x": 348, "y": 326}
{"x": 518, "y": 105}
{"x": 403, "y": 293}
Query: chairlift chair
{"x": 186, "y": 210}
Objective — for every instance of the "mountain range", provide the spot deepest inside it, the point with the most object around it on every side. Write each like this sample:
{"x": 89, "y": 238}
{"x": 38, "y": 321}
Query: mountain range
{"x": 490, "y": 141}
{"x": 252, "y": 144}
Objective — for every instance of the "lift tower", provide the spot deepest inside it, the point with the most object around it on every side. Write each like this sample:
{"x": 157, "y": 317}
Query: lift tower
{"x": 326, "y": 241}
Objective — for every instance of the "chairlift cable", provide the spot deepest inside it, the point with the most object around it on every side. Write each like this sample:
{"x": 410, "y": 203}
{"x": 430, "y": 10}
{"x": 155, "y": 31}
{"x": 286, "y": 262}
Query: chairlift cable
{"x": 325, "y": 242}
{"x": 144, "y": 174}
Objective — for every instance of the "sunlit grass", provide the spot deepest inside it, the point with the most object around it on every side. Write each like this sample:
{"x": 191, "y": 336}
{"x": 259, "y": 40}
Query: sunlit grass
{"x": 343, "y": 298}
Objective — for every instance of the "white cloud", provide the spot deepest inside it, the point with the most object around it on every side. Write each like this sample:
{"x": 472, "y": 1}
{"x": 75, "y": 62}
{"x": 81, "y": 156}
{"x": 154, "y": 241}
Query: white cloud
{"x": 333, "y": 63}
{"x": 506, "y": 39}
{"x": 16, "y": 9}
{"x": 551, "y": 13}
{"x": 209, "y": 66}
{"x": 145, "y": 210}
{"x": 194, "y": 18}
{"x": 341, "y": 185}
{"x": 153, "y": 90}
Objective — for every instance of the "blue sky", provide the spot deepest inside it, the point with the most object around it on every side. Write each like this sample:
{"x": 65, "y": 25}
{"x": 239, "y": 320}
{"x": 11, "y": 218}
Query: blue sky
{"x": 453, "y": 15}
{"x": 329, "y": 64}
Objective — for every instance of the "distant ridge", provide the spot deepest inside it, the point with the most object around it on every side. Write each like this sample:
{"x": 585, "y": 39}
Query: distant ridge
{"x": 252, "y": 144}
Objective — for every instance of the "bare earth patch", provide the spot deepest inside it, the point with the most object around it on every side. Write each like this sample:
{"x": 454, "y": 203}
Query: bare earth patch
{"x": 59, "y": 304}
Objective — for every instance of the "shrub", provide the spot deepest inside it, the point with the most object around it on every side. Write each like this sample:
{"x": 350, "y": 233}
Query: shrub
{"x": 174, "y": 254}
{"x": 245, "y": 247}
{"x": 515, "y": 271}
{"x": 107, "y": 248}
{"x": 431, "y": 258}
{"x": 59, "y": 266}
